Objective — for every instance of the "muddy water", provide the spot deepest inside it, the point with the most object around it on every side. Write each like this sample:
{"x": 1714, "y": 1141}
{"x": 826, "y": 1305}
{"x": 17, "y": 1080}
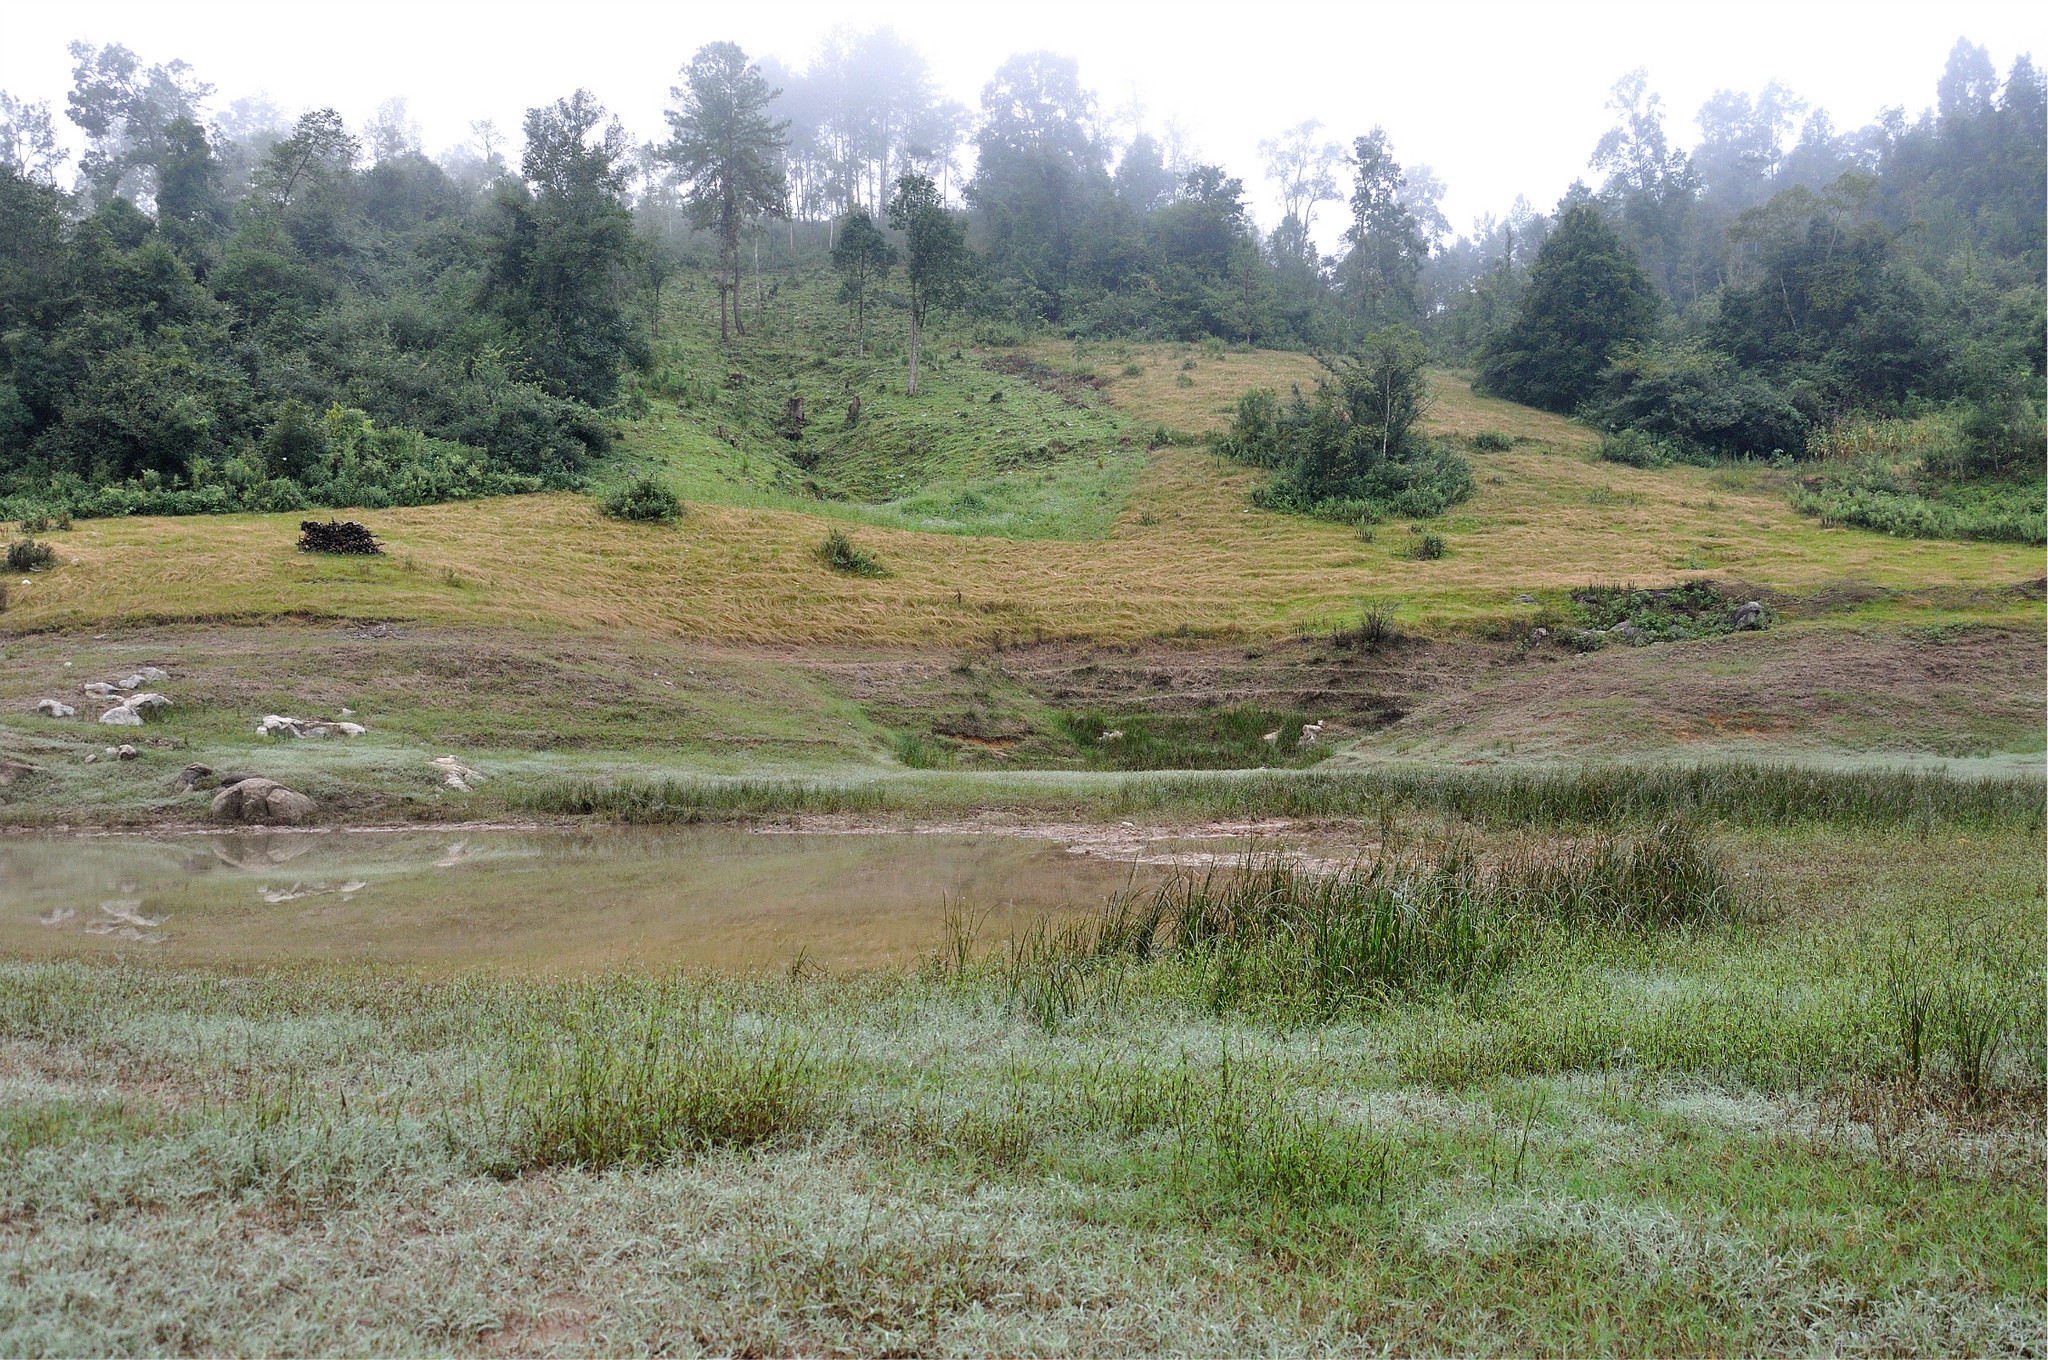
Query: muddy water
{"x": 535, "y": 900}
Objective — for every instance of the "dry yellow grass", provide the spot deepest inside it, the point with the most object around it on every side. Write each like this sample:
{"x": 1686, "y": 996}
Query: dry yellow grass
{"x": 1206, "y": 561}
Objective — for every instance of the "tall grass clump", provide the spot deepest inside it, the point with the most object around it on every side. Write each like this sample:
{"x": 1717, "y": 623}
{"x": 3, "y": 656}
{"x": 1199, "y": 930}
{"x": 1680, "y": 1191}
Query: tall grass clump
{"x": 691, "y": 800}
{"x": 1269, "y": 934}
{"x": 640, "y": 1076}
{"x": 842, "y": 554}
{"x": 1742, "y": 793}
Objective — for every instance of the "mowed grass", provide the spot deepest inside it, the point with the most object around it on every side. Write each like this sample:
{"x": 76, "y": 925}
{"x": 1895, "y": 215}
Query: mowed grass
{"x": 1701, "y": 1128}
{"x": 1188, "y": 552}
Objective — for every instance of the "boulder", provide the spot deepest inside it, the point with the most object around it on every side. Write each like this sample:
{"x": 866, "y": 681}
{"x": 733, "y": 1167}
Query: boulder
{"x": 99, "y": 689}
{"x": 121, "y": 716}
{"x": 191, "y": 775}
{"x": 148, "y": 705}
{"x": 261, "y": 800}
{"x": 1525, "y": 599}
{"x": 1627, "y": 632}
{"x": 53, "y": 709}
{"x": 456, "y": 775}
{"x": 124, "y": 752}
{"x": 1750, "y": 615}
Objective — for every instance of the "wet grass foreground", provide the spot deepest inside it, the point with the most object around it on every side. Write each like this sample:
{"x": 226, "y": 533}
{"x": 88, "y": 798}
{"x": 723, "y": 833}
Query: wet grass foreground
{"x": 1688, "y": 1088}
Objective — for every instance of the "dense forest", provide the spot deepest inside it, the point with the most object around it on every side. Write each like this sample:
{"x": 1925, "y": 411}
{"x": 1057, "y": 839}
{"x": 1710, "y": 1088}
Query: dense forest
{"x": 228, "y": 308}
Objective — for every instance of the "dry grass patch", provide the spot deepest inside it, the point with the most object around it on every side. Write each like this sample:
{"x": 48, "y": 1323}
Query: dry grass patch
{"x": 1205, "y": 561}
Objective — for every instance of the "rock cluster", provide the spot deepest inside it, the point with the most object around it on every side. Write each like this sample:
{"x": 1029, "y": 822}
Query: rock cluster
{"x": 273, "y": 726}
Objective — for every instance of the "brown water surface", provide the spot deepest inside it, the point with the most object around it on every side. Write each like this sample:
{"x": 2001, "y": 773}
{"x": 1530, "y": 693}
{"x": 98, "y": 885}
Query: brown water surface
{"x": 532, "y": 900}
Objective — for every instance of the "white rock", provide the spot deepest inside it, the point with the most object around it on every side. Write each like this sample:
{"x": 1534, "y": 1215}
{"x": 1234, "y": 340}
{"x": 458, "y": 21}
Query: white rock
{"x": 348, "y": 729}
{"x": 121, "y": 716}
{"x": 146, "y": 704}
{"x": 54, "y": 709}
{"x": 125, "y": 752}
{"x": 1273, "y": 736}
{"x": 153, "y": 673}
{"x": 456, "y": 775}
{"x": 99, "y": 689}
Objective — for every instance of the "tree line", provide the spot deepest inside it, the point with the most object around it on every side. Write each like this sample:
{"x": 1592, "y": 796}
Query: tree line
{"x": 236, "y": 309}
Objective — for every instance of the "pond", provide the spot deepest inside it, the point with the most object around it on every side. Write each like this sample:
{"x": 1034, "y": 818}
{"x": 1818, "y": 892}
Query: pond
{"x": 544, "y": 900}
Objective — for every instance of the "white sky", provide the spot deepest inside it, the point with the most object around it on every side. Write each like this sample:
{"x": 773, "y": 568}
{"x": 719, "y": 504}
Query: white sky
{"x": 1498, "y": 98}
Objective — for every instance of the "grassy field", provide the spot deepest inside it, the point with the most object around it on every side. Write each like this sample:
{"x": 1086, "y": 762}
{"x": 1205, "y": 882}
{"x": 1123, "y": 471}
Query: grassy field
{"x": 1684, "y": 998}
{"x": 1795, "y": 1107}
{"x": 1186, "y": 552}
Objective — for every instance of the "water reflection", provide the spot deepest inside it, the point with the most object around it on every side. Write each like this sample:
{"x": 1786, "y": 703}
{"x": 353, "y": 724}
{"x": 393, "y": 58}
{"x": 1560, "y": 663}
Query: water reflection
{"x": 530, "y": 900}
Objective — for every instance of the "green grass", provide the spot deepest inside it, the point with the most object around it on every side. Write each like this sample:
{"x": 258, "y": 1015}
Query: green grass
{"x": 1687, "y": 1131}
{"x": 1226, "y": 738}
{"x": 992, "y": 444}
{"x": 1740, "y": 793}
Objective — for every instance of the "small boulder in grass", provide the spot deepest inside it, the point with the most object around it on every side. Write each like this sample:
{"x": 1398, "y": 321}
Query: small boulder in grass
{"x": 337, "y": 536}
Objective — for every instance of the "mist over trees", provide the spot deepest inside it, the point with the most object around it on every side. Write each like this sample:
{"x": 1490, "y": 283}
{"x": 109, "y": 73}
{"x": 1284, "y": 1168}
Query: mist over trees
{"x": 228, "y": 306}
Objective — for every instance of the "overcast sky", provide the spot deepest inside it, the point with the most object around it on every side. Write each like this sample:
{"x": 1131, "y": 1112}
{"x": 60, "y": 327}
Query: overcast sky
{"x": 1499, "y": 98}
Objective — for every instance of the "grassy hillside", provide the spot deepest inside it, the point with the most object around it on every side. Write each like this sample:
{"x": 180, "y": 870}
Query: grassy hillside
{"x": 992, "y": 443}
{"x": 1184, "y": 552}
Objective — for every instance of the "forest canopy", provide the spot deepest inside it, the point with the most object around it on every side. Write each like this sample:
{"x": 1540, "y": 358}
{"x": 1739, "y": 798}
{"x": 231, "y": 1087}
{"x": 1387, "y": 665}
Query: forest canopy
{"x": 223, "y": 307}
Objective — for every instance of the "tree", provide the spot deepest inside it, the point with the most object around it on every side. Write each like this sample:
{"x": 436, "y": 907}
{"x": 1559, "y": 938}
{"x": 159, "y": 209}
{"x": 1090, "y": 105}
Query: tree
{"x": 863, "y": 258}
{"x": 1305, "y": 168}
{"x": 1587, "y": 298}
{"x": 125, "y": 110}
{"x": 1040, "y": 169}
{"x": 730, "y": 150}
{"x": 1384, "y": 267}
{"x": 580, "y": 243}
{"x": 28, "y": 143}
{"x": 937, "y": 248}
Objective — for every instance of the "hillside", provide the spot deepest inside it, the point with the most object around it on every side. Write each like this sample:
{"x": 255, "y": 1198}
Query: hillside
{"x": 1055, "y": 568}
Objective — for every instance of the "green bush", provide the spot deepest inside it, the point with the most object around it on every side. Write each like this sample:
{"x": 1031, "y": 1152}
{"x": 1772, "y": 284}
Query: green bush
{"x": 842, "y": 554}
{"x": 643, "y": 499}
{"x": 1356, "y": 451}
{"x": 1633, "y": 448}
{"x": 1491, "y": 441}
{"x": 29, "y": 555}
{"x": 1427, "y": 548}
{"x": 1875, "y": 497}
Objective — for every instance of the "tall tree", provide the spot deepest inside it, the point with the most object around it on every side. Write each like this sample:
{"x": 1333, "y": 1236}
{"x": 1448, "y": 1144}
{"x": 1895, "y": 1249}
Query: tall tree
{"x": 125, "y": 110}
{"x": 1040, "y": 168}
{"x": 1587, "y": 298}
{"x": 937, "y": 248}
{"x": 1304, "y": 165}
{"x": 1384, "y": 266}
{"x": 863, "y": 257}
{"x": 28, "y": 143}
{"x": 726, "y": 145}
{"x": 581, "y": 244}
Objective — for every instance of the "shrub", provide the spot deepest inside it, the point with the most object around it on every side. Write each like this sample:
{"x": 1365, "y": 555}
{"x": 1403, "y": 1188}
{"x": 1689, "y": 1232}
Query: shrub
{"x": 29, "y": 555}
{"x": 1491, "y": 441}
{"x": 644, "y": 499}
{"x": 842, "y": 554}
{"x": 1375, "y": 630}
{"x": 1356, "y": 451}
{"x": 1697, "y": 399}
{"x": 1633, "y": 448}
{"x": 1427, "y": 547}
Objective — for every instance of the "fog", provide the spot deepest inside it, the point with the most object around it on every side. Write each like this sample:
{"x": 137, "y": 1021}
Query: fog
{"x": 1497, "y": 99}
